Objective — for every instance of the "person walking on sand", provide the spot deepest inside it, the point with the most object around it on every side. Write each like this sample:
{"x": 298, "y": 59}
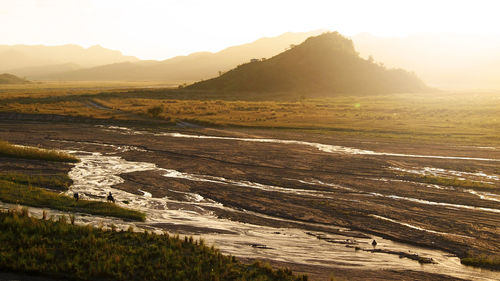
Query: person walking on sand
{"x": 75, "y": 195}
{"x": 110, "y": 197}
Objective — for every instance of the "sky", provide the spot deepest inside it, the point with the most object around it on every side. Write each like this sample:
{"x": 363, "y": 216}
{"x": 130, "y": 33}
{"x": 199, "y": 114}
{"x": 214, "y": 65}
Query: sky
{"x": 160, "y": 29}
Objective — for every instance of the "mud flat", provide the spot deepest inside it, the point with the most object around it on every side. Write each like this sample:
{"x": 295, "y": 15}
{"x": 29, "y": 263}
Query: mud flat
{"x": 259, "y": 194}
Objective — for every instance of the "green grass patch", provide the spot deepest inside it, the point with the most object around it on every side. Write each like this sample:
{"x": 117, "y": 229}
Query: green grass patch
{"x": 491, "y": 262}
{"x": 57, "y": 182}
{"x": 16, "y": 193}
{"x": 448, "y": 181}
{"x": 62, "y": 250}
{"x": 25, "y": 152}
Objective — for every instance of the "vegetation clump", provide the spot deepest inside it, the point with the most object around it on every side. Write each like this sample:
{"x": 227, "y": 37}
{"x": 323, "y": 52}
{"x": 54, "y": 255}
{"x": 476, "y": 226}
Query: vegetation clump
{"x": 26, "y": 152}
{"x": 455, "y": 182}
{"x": 155, "y": 111}
{"x": 25, "y": 194}
{"x": 57, "y": 182}
{"x": 491, "y": 262}
{"x": 62, "y": 250}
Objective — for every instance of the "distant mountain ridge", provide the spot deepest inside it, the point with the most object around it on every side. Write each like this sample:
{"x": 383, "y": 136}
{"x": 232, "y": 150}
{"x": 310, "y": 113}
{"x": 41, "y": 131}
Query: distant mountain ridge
{"x": 35, "y": 72}
{"x": 194, "y": 67}
{"x": 325, "y": 63}
{"x": 42, "y": 60}
{"x": 441, "y": 60}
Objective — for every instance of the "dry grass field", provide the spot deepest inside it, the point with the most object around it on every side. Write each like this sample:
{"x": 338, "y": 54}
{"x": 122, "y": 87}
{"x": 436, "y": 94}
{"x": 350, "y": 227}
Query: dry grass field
{"x": 439, "y": 116}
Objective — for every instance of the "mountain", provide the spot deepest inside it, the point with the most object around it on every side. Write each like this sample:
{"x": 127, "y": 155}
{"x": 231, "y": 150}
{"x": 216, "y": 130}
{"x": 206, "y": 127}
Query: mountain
{"x": 17, "y": 57}
{"x": 196, "y": 66}
{"x": 446, "y": 61}
{"x": 327, "y": 63}
{"x": 12, "y": 79}
{"x": 37, "y": 72}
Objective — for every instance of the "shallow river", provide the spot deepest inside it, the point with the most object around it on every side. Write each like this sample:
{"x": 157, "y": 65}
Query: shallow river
{"x": 95, "y": 175}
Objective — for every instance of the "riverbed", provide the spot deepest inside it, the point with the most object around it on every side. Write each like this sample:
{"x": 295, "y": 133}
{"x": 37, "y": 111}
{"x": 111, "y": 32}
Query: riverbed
{"x": 313, "y": 201}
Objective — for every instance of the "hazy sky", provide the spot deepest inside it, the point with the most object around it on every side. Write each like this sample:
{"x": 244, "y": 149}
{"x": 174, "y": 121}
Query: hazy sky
{"x": 158, "y": 29}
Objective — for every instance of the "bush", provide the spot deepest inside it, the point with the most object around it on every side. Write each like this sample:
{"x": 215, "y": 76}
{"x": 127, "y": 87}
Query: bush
{"x": 155, "y": 111}
{"x": 492, "y": 262}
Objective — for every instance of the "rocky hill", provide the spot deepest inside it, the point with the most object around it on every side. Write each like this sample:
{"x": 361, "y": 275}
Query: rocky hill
{"x": 326, "y": 63}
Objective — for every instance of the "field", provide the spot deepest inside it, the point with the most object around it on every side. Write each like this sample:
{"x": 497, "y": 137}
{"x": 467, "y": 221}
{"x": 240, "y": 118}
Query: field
{"x": 438, "y": 116}
{"x": 66, "y": 88}
{"x": 302, "y": 181}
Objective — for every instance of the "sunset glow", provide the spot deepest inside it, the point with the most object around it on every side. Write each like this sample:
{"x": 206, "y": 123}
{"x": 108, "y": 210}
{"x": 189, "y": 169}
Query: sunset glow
{"x": 153, "y": 29}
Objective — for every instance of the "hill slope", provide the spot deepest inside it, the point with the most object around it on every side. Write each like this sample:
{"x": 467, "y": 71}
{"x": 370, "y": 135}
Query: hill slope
{"x": 12, "y": 79}
{"x": 196, "y": 66}
{"x": 325, "y": 63}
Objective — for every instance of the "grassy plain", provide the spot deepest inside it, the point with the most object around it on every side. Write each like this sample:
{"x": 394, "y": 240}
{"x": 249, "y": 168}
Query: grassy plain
{"x": 67, "y": 88}
{"x": 439, "y": 116}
